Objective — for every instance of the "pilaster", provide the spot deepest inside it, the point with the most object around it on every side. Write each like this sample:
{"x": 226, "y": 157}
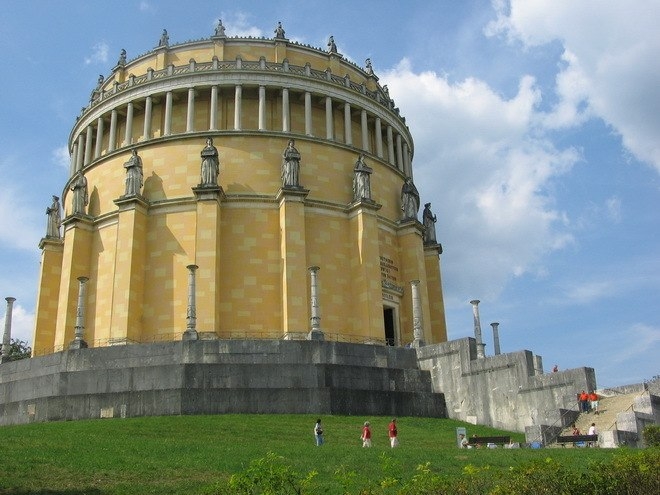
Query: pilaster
{"x": 130, "y": 257}
{"x": 43, "y": 339}
{"x": 367, "y": 295}
{"x": 207, "y": 256}
{"x": 437, "y": 322}
{"x": 413, "y": 267}
{"x": 295, "y": 317}
{"x": 78, "y": 233}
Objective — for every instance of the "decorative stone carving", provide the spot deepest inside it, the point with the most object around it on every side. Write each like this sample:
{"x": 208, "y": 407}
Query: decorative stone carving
{"x": 368, "y": 67}
{"x": 279, "y": 31}
{"x": 164, "y": 39}
{"x": 210, "y": 165}
{"x": 80, "y": 195}
{"x": 332, "y": 47}
{"x": 122, "y": 58}
{"x": 291, "y": 166}
{"x": 361, "y": 180}
{"x": 134, "y": 176}
{"x": 409, "y": 200}
{"x": 54, "y": 219}
{"x": 220, "y": 29}
{"x": 97, "y": 91}
{"x": 429, "y": 219}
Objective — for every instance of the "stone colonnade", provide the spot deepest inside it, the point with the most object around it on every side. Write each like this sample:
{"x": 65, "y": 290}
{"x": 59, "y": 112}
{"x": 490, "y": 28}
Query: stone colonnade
{"x": 88, "y": 140}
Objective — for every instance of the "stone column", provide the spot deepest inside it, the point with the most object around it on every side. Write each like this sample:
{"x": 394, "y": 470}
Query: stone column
{"x": 399, "y": 153}
{"x": 6, "y": 337}
{"x": 308, "y": 113}
{"x": 88, "y": 145}
{"x": 190, "y": 114}
{"x": 238, "y": 97}
{"x": 348, "y": 131}
{"x": 418, "y": 324}
{"x": 286, "y": 113}
{"x": 72, "y": 159}
{"x": 112, "y": 140}
{"x": 364, "y": 124}
{"x": 496, "y": 337}
{"x": 99, "y": 137}
{"x": 262, "y": 108}
{"x": 315, "y": 333}
{"x": 168, "y": 114}
{"x": 191, "y": 312}
{"x": 128, "y": 136}
{"x": 379, "y": 138}
{"x": 148, "y": 107}
{"x": 407, "y": 169}
{"x": 213, "y": 112}
{"x": 390, "y": 145}
{"x": 477, "y": 328}
{"x": 329, "y": 130}
{"x": 81, "y": 149}
{"x": 78, "y": 341}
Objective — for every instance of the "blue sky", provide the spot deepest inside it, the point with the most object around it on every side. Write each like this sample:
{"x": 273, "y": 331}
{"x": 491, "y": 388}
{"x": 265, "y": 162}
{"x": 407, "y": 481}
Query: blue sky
{"x": 537, "y": 141}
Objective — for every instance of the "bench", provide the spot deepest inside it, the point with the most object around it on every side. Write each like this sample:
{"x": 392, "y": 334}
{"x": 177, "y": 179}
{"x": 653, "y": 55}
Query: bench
{"x": 564, "y": 439}
{"x": 484, "y": 441}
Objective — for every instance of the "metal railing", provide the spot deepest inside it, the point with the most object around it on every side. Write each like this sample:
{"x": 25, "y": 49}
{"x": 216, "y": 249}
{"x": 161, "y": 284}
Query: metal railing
{"x": 230, "y": 335}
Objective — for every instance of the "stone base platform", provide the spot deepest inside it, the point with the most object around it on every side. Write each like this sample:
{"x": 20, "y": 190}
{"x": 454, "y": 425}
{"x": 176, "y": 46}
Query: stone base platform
{"x": 216, "y": 377}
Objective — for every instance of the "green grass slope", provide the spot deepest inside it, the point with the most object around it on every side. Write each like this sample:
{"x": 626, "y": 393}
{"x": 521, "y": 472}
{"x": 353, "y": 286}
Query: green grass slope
{"x": 199, "y": 454}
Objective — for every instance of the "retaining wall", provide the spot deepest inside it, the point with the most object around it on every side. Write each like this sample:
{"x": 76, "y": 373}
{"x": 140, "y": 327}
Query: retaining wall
{"x": 215, "y": 377}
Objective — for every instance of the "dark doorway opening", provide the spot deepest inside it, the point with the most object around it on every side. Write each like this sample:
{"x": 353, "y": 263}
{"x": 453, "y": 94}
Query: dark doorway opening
{"x": 388, "y": 318}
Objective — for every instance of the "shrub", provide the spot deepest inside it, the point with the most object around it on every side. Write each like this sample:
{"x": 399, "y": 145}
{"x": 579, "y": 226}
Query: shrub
{"x": 629, "y": 472}
{"x": 269, "y": 476}
{"x": 651, "y": 435}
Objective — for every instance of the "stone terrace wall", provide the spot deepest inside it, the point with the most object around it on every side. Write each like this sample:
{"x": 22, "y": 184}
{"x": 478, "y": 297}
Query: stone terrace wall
{"x": 503, "y": 391}
{"x": 215, "y": 377}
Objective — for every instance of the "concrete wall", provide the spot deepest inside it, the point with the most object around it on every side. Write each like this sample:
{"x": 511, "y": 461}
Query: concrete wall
{"x": 630, "y": 424}
{"x": 216, "y": 376}
{"x": 503, "y": 391}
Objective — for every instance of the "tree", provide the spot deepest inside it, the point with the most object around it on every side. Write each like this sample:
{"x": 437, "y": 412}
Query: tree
{"x": 19, "y": 349}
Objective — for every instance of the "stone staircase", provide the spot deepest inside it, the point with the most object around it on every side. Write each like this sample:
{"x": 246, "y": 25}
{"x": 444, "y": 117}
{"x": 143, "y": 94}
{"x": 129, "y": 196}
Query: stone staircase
{"x": 608, "y": 408}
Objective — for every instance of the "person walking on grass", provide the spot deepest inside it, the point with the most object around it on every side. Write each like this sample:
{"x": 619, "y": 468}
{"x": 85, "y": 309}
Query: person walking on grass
{"x": 318, "y": 433}
{"x": 393, "y": 432}
{"x": 366, "y": 435}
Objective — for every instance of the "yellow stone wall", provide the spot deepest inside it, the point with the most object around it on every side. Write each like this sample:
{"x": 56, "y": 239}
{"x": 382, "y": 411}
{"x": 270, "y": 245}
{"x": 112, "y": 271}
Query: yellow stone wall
{"x": 252, "y": 240}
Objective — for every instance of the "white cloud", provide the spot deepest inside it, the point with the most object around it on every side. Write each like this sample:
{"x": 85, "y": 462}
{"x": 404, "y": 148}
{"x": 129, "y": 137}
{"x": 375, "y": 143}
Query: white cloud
{"x": 613, "y": 207}
{"x": 238, "y": 24}
{"x": 588, "y": 292}
{"x": 495, "y": 208}
{"x": 22, "y": 322}
{"x": 611, "y": 62}
{"x": 18, "y": 218}
{"x": 99, "y": 54}
{"x": 637, "y": 340}
{"x": 61, "y": 157}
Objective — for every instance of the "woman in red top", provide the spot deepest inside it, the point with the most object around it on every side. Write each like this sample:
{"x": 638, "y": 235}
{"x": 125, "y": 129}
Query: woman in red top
{"x": 394, "y": 441}
{"x": 366, "y": 435}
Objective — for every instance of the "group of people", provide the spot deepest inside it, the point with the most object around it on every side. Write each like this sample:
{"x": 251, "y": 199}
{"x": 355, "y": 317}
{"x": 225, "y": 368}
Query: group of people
{"x": 392, "y": 433}
{"x": 588, "y": 401}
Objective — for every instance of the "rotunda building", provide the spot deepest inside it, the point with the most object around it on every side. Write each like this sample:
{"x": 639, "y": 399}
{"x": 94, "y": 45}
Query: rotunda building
{"x": 239, "y": 188}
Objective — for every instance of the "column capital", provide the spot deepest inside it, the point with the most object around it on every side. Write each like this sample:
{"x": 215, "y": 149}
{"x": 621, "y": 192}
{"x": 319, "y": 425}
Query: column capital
{"x": 291, "y": 193}
{"x": 134, "y": 201}
{"x": 209, "y": 193}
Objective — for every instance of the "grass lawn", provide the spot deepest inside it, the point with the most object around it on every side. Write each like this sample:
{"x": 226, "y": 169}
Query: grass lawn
{"x": 197, "y": 454}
